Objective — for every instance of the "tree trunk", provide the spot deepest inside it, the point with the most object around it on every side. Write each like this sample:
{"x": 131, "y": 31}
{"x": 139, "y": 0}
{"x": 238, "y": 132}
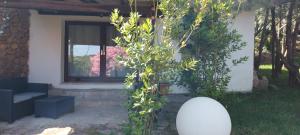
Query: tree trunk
{"x": 274, "y": 43}
{"x": 282, "y": 38}
{"x": 262, "y": 40}
{"x": 278, "y": 63}
{"x": 289, "y": 45}
{"x": 291, "y": 68}
{"x": 294, "y": 44}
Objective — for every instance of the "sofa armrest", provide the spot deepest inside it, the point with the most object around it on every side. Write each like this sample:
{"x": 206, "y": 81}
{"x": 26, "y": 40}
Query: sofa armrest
{"x": 38, "y": 87}
{"x": 6, "y": 95}
{"x": 6, "y": 104}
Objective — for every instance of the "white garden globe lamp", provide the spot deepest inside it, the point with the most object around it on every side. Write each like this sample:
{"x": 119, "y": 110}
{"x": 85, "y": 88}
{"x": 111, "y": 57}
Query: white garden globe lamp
{"x": 203, "y": 116}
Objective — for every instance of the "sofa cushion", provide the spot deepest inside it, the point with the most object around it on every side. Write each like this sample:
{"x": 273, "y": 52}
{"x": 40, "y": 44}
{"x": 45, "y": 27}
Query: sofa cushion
{"x": 26, "y": 96}
{"x": 19, "y": 85}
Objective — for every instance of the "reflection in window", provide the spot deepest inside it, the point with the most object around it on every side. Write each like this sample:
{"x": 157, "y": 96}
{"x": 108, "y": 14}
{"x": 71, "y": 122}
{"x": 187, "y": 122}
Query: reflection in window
{"x": 84, "y": 61}
{"x": 113, "y": 67}
{"x": 91, "y": 52}
{"x": 84, "y": 48}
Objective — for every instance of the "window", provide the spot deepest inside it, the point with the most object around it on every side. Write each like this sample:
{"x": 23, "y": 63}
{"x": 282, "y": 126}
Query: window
{"x": 90, "y": 53}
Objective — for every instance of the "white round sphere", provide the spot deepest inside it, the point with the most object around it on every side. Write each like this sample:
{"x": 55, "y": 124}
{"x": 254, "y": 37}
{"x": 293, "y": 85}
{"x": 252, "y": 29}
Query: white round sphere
{"x": 203, "y": 116}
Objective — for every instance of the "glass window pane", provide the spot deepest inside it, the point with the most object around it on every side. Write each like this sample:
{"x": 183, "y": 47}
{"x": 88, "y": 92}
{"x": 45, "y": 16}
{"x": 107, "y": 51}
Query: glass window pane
{"x": 84, "y": 51}
{"x": 111, "y": 33}
{"x": 113, "y": 67}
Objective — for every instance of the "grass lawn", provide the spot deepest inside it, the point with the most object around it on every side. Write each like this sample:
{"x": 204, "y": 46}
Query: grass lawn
{"x": 275, "y": 111}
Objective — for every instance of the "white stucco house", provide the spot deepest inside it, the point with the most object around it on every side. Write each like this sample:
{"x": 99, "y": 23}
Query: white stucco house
{"x": 73, "y": 49}
{"x": 47, "y": 47}
{"x": 54, "y": 37}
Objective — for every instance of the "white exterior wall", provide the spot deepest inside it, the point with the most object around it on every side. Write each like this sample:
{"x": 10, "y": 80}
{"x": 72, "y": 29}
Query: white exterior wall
{"x": 242, "y": 74}
{"x": 46, "y": 47}
{"x": 46, "y": 51}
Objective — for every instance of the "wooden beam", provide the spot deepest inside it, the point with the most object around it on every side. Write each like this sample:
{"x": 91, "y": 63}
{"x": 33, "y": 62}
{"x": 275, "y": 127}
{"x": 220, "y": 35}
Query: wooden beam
{"x": 89, "y": 1}
{"x": 73, "y": 13}
{"x": 52, "y": 5}
{"x": 279, "y": 2}
{"x": 123, "y": 2}
{"x": 143, "y": 8}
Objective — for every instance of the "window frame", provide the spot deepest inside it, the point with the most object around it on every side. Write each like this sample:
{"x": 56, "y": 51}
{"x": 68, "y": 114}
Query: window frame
{"x": 103, "y": 38}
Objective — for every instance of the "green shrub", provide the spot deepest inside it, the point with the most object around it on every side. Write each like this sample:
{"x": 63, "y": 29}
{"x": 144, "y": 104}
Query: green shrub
{"x": 212, "y": 44}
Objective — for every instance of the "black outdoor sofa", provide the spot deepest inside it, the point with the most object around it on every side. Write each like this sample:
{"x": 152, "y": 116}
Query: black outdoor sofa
{"x": 17, "y": 97}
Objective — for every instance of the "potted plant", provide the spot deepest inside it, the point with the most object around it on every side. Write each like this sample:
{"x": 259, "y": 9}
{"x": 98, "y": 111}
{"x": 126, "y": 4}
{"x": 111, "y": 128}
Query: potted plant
{"x": 164, "y": 83}
{"x": 164, "y": 88}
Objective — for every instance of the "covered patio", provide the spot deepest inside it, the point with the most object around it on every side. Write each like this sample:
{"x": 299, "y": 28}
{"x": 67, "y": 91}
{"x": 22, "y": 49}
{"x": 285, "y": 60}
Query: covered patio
{"x": 94, "y": 115}
{"x": 95, "y": 112}
{"x": 101, "y": 108}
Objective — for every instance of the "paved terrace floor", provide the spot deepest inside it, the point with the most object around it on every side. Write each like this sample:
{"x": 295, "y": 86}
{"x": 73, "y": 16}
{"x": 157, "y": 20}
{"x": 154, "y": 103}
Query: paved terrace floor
{"x": 103, "y": 109}
{"x": 96, "y": 112}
